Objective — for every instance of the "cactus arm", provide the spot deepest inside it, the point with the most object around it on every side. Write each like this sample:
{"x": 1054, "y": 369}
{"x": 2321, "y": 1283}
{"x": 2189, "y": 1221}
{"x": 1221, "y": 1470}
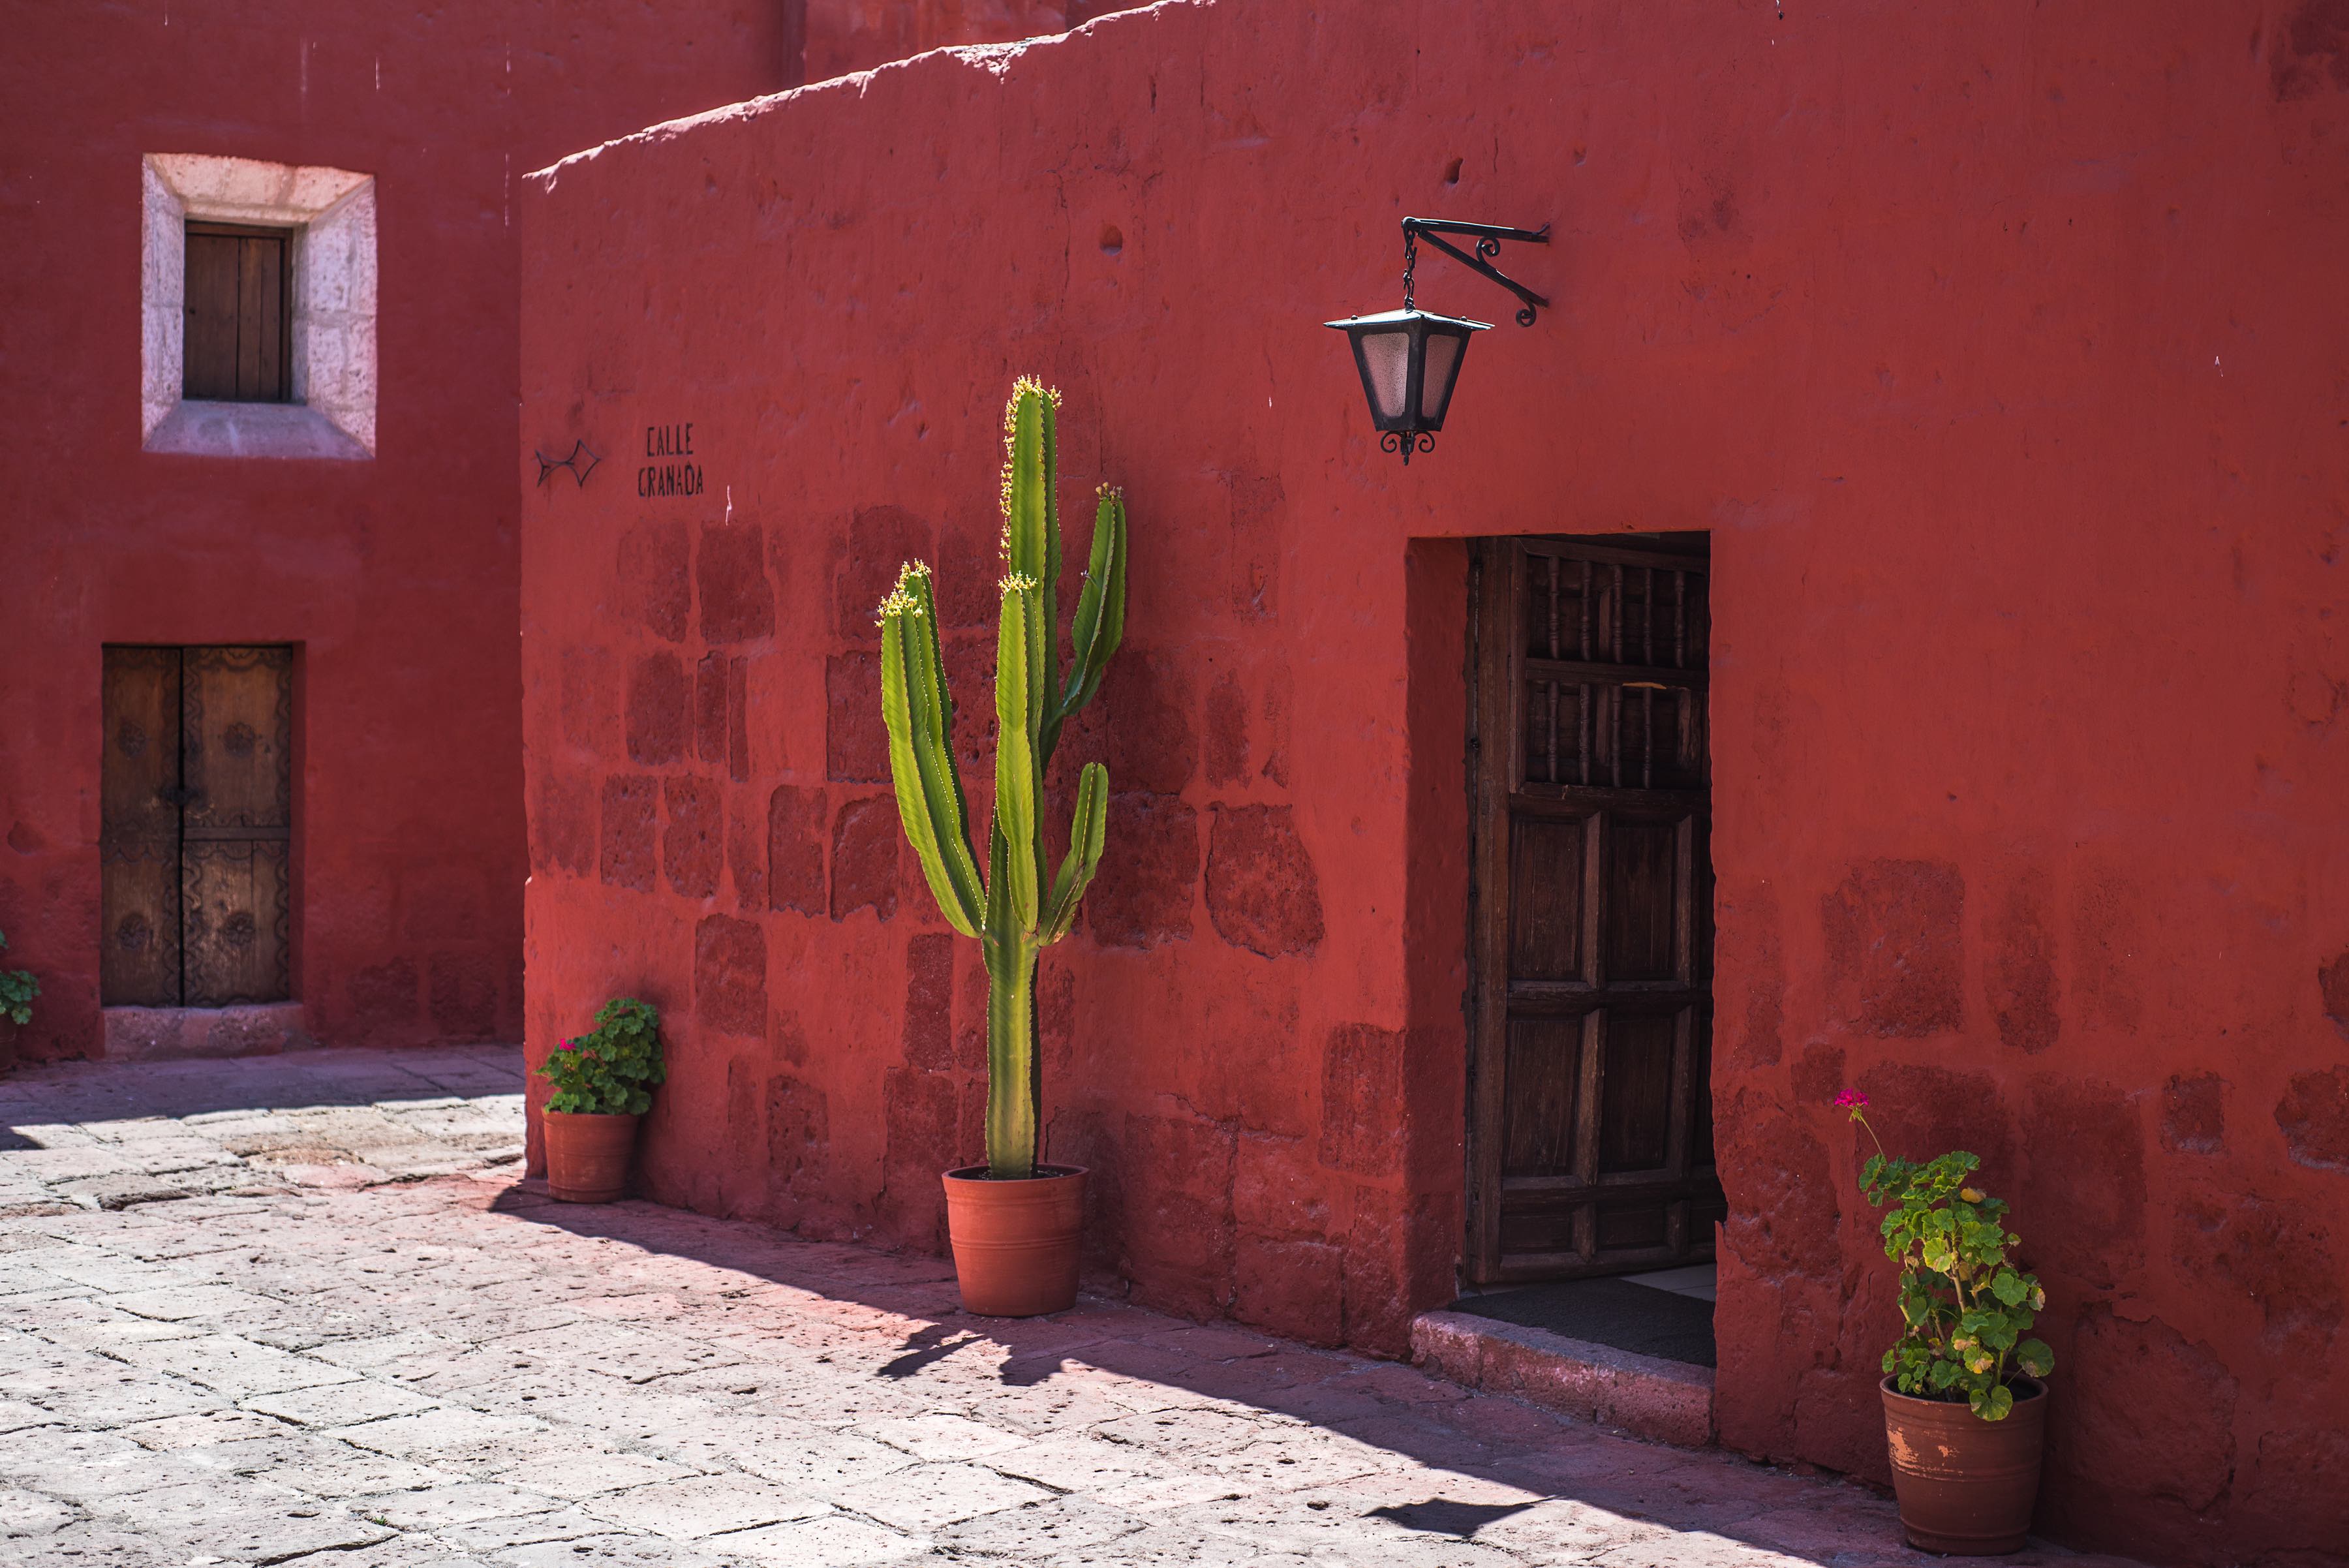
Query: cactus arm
{"x": 921, "y": 768}
{"x": 1087, "y": 830}
{"x": 1015, "y": 754}
{"x": 1100, "y": 625}
{"x": 1031, "y": 530}
{"x": 942, "y": 711}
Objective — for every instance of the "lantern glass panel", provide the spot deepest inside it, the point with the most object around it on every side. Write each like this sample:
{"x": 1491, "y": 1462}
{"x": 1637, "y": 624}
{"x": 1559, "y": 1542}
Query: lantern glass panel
{"x": 1386, "y": 362}
{"x": 1435, "y": 382}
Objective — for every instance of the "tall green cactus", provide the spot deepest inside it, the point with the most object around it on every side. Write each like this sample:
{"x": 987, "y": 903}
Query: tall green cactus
{"x": 1018, "y": 906}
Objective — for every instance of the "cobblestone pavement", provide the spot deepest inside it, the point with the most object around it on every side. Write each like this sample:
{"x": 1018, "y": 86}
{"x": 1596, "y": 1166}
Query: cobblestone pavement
{"x": 302, "y": 1309}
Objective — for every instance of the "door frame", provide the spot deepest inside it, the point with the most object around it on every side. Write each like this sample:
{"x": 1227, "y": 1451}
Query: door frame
{"x": 1494, "y": 668}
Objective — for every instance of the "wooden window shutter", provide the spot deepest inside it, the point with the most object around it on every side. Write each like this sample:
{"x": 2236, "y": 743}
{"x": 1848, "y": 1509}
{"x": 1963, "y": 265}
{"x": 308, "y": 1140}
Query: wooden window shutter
{"x": 240, "y": 306}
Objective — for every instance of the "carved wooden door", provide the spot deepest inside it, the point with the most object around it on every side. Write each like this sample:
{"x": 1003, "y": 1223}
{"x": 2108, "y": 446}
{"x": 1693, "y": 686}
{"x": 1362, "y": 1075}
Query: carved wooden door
{"x": 196, "y": 826}
{"x": 1591, "y": 1108}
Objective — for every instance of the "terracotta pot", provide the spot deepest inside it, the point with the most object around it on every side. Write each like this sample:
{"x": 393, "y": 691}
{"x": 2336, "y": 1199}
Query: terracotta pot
{"x": 1015, "y": 1242}
{"x": 587, "y": 1154}
{"x": 1966, "y": 1486}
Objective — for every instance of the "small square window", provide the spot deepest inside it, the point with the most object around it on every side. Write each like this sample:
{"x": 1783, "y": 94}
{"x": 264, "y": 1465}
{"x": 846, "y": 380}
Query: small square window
{"x": 240, "y": 313}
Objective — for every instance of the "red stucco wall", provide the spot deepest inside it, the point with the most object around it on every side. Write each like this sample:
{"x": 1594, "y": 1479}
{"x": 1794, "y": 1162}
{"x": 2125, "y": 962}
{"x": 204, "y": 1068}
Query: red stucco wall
{"x": 2000, "y": 351}
{"x": 843, "y": 36}
{"x": 397, "y": 576}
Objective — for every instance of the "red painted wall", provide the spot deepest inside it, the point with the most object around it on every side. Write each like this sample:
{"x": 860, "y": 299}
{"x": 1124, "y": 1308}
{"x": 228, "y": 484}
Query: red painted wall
{"x": 397, "y": 576}
{"x": 843, "y": 36}
{"x": 2001, "y": 353}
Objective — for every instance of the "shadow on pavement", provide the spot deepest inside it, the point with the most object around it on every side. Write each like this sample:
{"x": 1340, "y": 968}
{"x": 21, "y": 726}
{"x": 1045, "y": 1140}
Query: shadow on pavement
{"x": 1503, "y": 1459}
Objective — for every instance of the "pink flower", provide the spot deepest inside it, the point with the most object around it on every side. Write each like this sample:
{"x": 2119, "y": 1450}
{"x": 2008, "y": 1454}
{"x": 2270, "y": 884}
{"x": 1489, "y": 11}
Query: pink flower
{"x": 575, "y": 1045}
{"x": 1850, "y": 1099}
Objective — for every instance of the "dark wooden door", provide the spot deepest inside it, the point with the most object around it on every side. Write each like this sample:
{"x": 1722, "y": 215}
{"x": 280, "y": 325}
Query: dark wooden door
{"x": 1591, "y": 1109}
{"x": 138, "y": 831}
{"x": 196, "y": 826}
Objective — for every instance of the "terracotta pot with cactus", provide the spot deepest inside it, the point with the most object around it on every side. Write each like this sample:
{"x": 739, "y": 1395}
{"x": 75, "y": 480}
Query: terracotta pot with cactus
{"x": 1013, "y": 1223}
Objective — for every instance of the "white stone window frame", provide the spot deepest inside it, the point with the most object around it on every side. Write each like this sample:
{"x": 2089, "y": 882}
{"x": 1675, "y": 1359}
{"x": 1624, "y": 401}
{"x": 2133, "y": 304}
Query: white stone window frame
{"x": 331, "y": 215}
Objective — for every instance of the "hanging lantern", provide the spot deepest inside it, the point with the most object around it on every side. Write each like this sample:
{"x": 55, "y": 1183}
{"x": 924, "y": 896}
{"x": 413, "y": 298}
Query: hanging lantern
{"x": 1410, "y": 358}
{"x": 1410, "y": 361}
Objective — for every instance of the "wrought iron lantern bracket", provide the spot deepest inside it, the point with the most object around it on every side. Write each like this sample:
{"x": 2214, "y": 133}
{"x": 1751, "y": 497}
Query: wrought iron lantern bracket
{"x": 1488, "y": 238}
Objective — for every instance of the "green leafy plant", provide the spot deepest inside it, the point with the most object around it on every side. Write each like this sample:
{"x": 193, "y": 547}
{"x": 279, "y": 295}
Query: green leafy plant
{"x": 17, "y": 989}
{"x": 1021, "y": 906}
{"x": 610, "y": 1070}
{"x": 1964, "y": 1306}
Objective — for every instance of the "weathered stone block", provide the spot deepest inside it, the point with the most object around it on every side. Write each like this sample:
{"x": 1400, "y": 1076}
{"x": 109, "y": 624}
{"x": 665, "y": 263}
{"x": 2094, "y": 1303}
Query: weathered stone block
{"x": 855, "y": 741}
{"x": 2194, "y": 1114}
{"x": 881, "y": 539}
{"x": 798, "y": 1140}
{"x": 655, "y": 586}
{"x": 1894, "y": 933}
{"x": 795, "y": 831}
{"x": 1277, "y": 1188}
{"x": 1362, "y": 1087}
{"x": 629, "y": 847}
{"x": 1263, "y": 893}
{"x": 737, "y": 604}
{"x": 929, "y": 1001}
{"x": 1290, "y": 1286}
{"x": 710, "y": 729}
{"x": 1177, "y": 1179}
{"x": 745, "y": 850}
{"x": 1228, "y": 731}
{"x": 1149, "y": 877}
{"x": 729, "y": 976}
{"x": 2314, "y": 1116}
{"x": 2024, "y": 992}
{"x": 562, "y": 826}
{"x": 864, "y": 858}
{"x": 661, "y": 701}
{"x": 693, "y": 845}
{"x": 2086, "y": 1145}
{"x": 2118, "y": 1370}
{"x": 918, "y": 1108}
{"x": 1140, "y": 726}
{"x": 590, "y": 702}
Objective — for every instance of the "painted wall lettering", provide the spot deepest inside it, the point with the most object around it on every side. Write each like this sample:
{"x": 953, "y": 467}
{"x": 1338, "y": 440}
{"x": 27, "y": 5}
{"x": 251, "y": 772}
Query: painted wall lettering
{"x": 674, "y": 476}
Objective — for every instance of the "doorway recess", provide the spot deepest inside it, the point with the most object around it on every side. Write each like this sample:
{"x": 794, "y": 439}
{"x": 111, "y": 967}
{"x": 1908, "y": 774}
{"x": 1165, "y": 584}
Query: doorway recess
{"x": 1590, "y": 1106}
{"x": 196, "y": 826}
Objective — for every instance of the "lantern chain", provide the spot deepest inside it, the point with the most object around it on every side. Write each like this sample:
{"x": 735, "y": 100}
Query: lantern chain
{"x": 1410, "y": 262}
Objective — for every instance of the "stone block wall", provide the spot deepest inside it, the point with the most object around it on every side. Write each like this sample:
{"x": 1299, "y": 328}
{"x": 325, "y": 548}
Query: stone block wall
{"x": 1998, "y": 352}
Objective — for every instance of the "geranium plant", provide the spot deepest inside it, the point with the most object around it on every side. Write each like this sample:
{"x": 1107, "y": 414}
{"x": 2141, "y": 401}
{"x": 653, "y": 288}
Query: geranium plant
{"x": 1964, "y": 1304}
{"x": 612, "y": 1069}
{"x": 17, "y": 989}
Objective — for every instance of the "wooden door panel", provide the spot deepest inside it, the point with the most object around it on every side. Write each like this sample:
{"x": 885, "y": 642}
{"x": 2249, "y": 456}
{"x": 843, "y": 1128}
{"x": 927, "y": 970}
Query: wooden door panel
{"x": 1591, "y": 1117}
{"x": 1635, "y": 1093}
{"x": 234, "y": 895}
{"x": 1545, "y": 860}
{"x": 1543, "y": 1091}
{"x": 238, "y": 755}
{"x": 236, "y": 726}
{"x": 1647, "y": 898}
{"x": 138, "y": 829}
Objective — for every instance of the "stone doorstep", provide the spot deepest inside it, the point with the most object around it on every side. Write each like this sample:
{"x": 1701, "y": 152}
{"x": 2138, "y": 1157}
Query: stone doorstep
{"x": 192, "y": 1034}
{"x": 1663, "y": 1401}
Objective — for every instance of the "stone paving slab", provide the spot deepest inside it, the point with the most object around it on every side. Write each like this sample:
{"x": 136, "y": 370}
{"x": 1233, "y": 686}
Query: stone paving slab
{"x": 302, "y": 1310}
